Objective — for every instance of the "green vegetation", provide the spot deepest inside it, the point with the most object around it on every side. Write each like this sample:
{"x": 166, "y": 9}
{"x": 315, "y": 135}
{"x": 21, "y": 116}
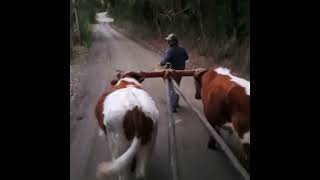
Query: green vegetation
{"x": 216, "y": 29}
{"x": 219, "y": 29}
{"x": 85, "y": 11}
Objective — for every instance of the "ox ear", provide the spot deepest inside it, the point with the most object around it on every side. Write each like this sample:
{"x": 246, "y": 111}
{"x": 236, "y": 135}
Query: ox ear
{"x": 114, "y": 82}
{"x": 198, "y": 72}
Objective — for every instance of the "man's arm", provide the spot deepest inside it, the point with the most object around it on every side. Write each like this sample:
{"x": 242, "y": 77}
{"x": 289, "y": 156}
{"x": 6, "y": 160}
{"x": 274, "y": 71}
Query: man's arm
{"x": 165, "y": 58}
{"x": 186, "y": 55}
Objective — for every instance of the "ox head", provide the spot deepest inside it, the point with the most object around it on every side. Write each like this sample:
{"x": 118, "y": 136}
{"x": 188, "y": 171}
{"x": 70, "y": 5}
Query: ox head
{"x": 121, "y": 74}
{"x": 197, "y": 79}
{"x": 116, "y": 77}
{"x": 135, "y": 75}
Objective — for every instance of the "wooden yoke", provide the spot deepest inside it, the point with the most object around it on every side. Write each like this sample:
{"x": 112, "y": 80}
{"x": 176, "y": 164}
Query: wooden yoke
{"x": 167, "y": 73}
{"x": 163, "y": 74}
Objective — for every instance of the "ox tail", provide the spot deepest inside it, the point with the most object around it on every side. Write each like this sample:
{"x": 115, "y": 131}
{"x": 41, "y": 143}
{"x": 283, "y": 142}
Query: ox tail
{"x": 138, "y": 129}
{"x": 113, "y": 167}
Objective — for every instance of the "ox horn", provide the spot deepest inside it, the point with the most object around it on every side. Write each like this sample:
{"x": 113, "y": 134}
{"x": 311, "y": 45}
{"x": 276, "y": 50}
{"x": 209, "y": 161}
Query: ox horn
{"x": 118, "y": 74}
{"x": 199, "y": 71}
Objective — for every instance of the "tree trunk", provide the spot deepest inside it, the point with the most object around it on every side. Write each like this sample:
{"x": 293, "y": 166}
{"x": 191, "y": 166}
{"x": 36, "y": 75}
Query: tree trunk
{"x": 71, "y": 32}
{"x": 234, "y": 15}
{"x": 178, "y": 5}
{"x": 201, "y": 20}
{"x": 77, "y": 21}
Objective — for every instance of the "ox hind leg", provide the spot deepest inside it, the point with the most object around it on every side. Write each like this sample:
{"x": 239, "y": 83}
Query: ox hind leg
{"x": 117, "y": 144}
{"x": 215, "y": 118}
{"x": 142, "y": 161}
{"x": 212, "y": 143}
{"x": 143, "y": 157}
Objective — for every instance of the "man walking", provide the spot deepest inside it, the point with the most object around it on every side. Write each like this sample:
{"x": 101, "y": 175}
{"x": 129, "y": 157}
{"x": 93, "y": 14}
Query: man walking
{"x": 176, "y": 56}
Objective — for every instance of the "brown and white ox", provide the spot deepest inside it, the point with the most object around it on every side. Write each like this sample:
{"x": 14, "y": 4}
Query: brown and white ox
{"x": 226, "y": 105}
{"x": 128, "y": 117}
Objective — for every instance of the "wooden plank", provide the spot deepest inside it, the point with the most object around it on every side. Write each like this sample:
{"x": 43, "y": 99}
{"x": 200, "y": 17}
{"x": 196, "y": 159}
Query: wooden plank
{"x": 172, "y": 135}
{"x": 235, "y": 162}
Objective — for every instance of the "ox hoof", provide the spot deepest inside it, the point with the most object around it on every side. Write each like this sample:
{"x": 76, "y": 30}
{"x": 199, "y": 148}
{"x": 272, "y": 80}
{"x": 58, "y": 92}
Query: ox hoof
{"x": 102, "y": 170}
{"x": 174, "y": 110}
{"x": 228, "y": 129}
{"x": 212, "y": 145}
{"x": 140, "y": 178}
{"x": 133, "y": 164}
{"x": 140, "y": 175}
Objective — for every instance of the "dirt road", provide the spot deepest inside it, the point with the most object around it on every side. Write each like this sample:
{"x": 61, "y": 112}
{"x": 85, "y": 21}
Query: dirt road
{"x": 110, "y": 51}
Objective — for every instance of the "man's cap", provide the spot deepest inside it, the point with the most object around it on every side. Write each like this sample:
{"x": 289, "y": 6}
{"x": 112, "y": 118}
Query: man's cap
{"x": 171, "y": 37}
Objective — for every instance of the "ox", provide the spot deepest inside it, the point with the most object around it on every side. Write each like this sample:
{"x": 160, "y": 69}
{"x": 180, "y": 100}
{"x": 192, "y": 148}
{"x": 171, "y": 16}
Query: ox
{"x": 128, "y": 117}
{"x": 226, "y": 105}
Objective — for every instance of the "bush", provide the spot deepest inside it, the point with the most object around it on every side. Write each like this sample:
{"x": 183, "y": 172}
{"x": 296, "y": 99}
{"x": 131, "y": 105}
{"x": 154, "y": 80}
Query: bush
{"x": 85, "y": 23}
